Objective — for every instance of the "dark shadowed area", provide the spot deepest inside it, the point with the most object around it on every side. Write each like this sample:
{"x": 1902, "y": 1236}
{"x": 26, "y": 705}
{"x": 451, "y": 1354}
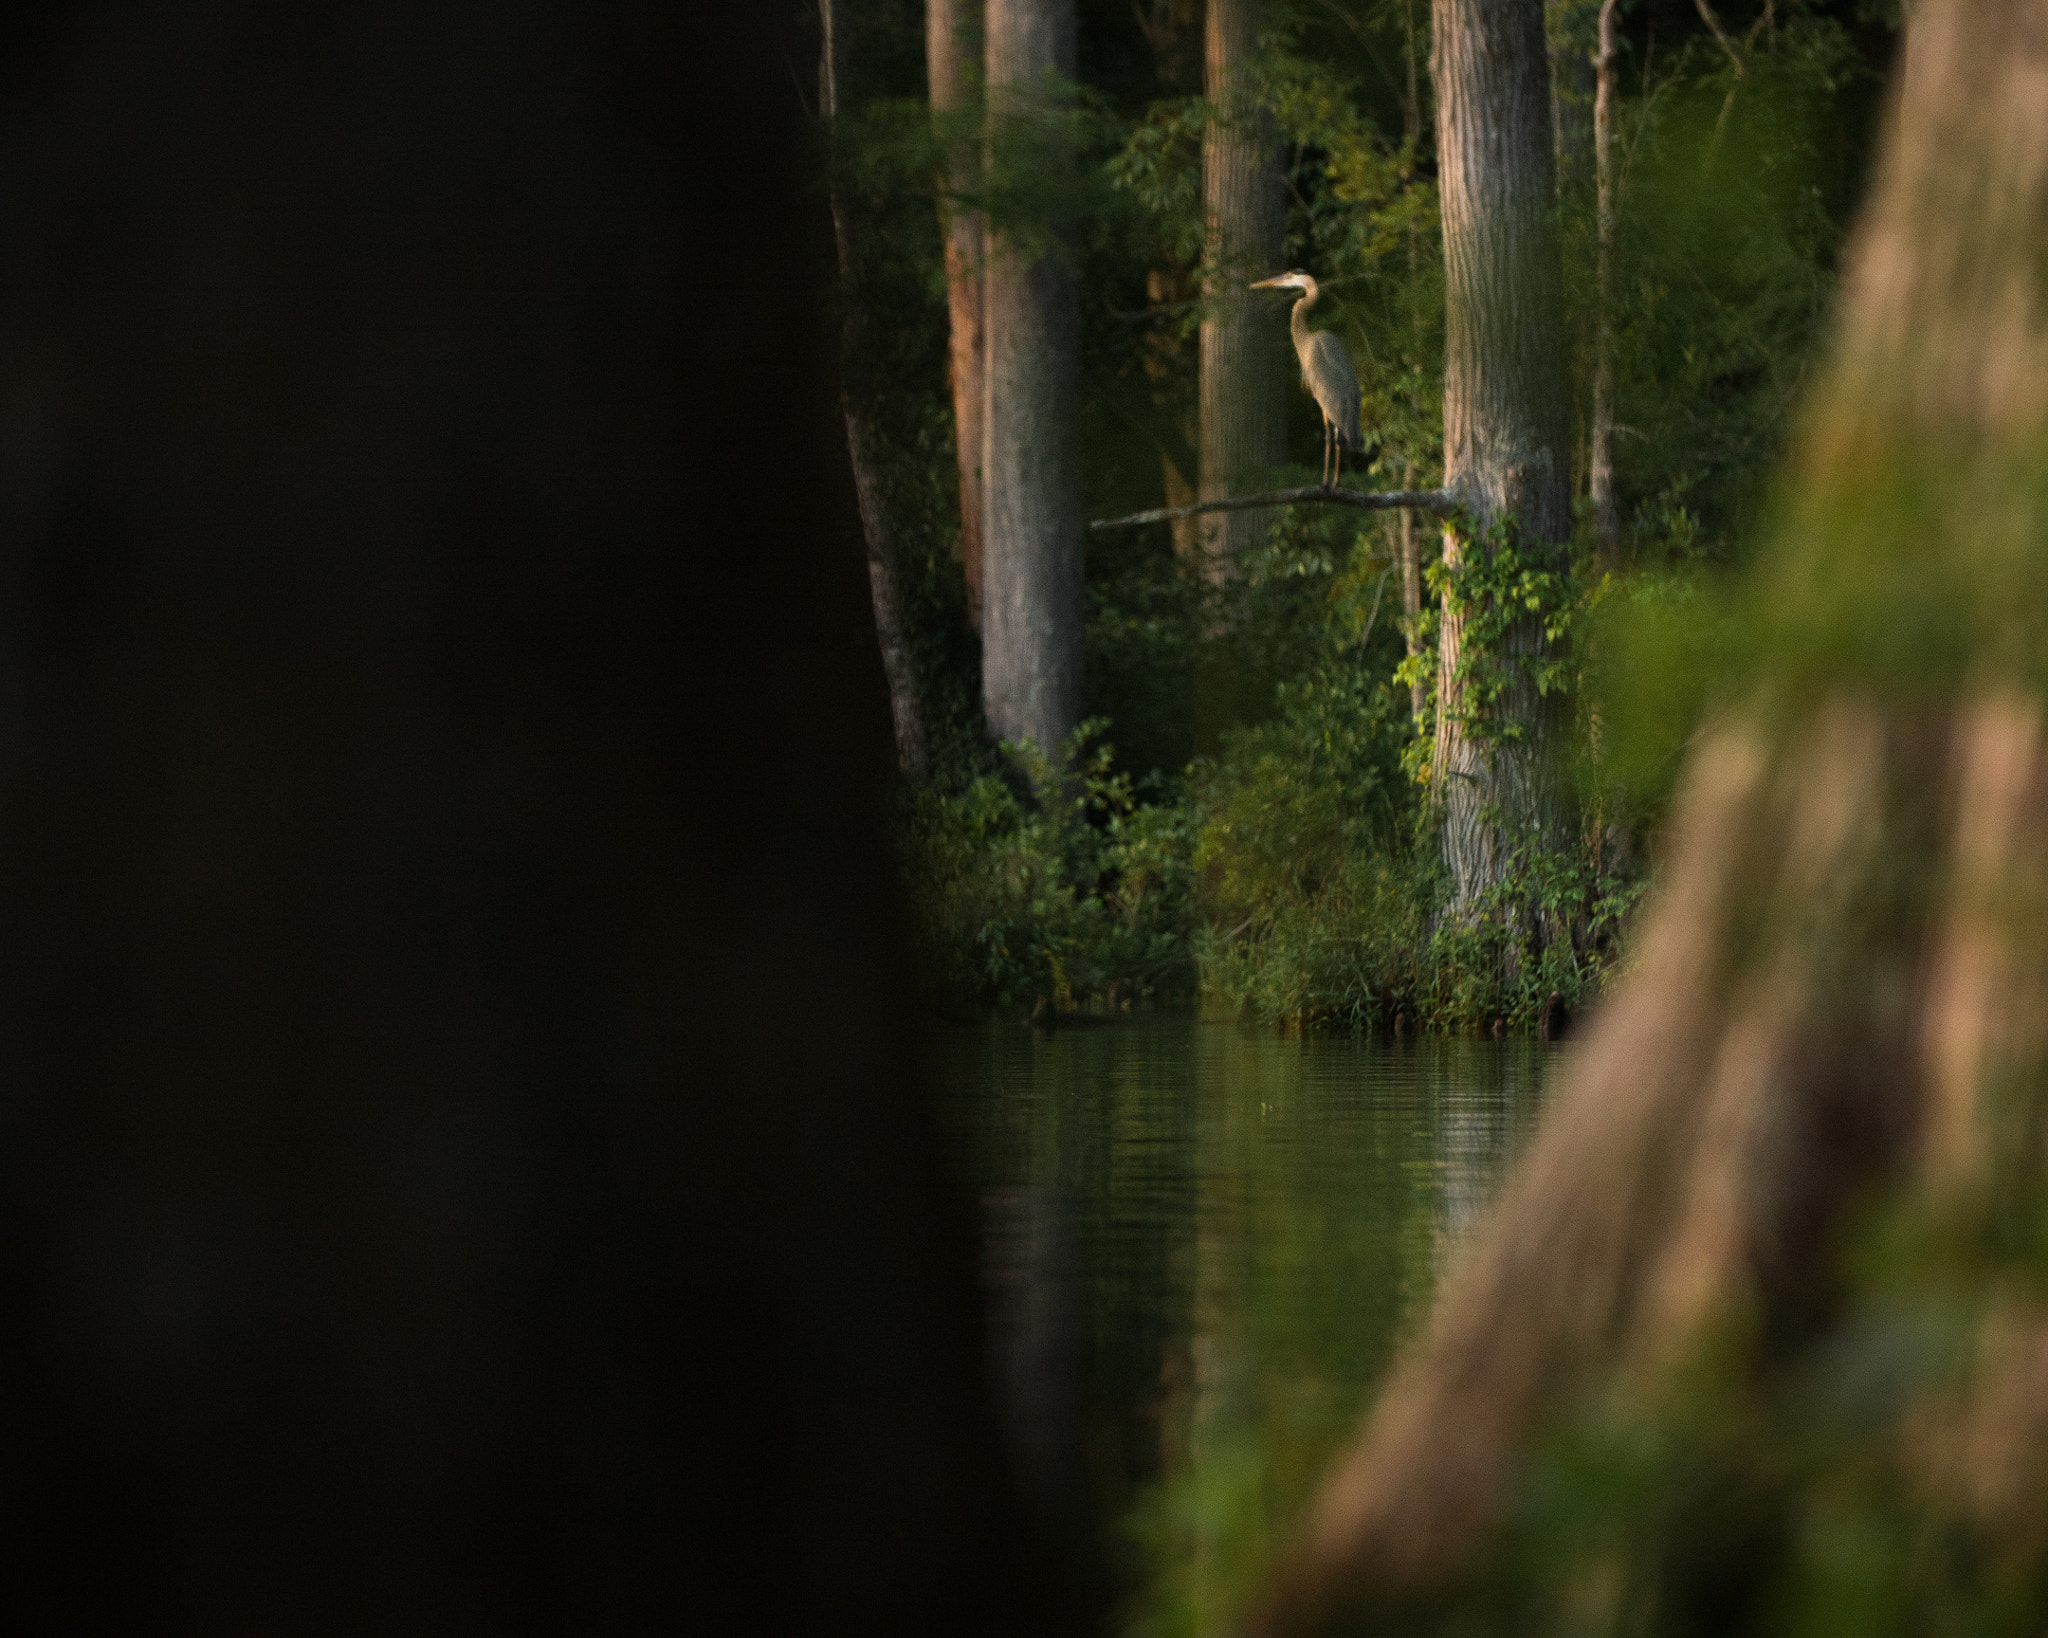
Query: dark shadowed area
{"x": 441, "y": 754}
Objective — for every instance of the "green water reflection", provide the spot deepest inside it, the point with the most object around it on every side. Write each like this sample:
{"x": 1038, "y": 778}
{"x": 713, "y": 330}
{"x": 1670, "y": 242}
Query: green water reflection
{"x": 1202, "y": 1245}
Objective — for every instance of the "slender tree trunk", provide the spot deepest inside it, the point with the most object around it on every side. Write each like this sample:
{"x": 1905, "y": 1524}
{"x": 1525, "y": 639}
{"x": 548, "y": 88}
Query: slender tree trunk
{"x": 912, "y": 751}
{"x": 1245, "y": 353}
{"x": 1606, "y": 524}
{"x": 1173, "y": 30}
{"x": 1031, "y": 501}
{"x": 952, "y": 42}
{"x": 1506, "y": 418}
{"x": 1407, "y": 542}
{"x": 890, "y": 633}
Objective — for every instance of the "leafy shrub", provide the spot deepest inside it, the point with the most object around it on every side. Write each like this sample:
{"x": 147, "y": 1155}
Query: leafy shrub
{"x": 1070, "y": 894}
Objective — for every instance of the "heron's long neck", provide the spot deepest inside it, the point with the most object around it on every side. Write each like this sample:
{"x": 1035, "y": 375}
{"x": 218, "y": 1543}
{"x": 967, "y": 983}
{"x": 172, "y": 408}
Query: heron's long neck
{"x": 1297, "y": 321}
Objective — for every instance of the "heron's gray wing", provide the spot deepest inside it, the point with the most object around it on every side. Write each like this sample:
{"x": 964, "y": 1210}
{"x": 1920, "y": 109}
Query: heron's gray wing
{"x": 1326, "y": 368}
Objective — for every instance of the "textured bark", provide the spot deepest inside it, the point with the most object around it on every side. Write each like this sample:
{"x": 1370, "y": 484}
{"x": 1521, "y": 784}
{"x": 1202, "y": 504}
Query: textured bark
{"x": 1408, "y": 545}
{"x": 1506, "y": 409}
{"x": 1243, "y": 339}
{"x": 1841, "y": 983}
{"x": 951, "y": 44}
{"x": 905, "y": 711}
{"x": 1031, "y": 501}
{"x": 1606, "y": 523}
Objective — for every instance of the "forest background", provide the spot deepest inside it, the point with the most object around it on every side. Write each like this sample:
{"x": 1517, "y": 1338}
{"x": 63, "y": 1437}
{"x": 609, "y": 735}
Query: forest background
{"x": 1245, "y": 815}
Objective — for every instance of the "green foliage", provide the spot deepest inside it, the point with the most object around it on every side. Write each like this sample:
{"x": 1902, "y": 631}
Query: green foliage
{"x": 1310, "y": 875}
{"x": 1071, "y": 894}
{"x": 1266, "y": 724}
{"x": 1502, "y": 591}
{"x": 1735, "y": 197}
{"x": 1873, "y": 1481}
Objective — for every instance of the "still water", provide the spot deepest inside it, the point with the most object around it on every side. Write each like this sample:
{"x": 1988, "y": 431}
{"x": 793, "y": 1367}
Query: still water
{"x": 1201, "y": 1245}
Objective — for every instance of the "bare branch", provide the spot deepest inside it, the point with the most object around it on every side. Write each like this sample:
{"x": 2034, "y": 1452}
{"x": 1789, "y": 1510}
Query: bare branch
{"x": 1707, "y": 15}
{"x": 1438, "y": 501}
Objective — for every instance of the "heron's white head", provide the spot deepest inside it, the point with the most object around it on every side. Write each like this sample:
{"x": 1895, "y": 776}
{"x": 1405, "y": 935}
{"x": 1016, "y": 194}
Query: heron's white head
{"x": 1286, "y": 281}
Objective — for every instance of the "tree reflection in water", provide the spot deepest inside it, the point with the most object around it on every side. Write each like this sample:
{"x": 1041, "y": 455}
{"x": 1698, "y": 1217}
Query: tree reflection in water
{"x": 1202, "y": 1244}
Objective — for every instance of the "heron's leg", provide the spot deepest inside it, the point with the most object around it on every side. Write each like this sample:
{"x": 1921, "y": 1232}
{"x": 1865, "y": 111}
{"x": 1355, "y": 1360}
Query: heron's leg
{"x": 1337, "y": 449}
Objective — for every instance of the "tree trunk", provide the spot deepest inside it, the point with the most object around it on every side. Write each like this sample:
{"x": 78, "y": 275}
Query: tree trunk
{"x": 1506, "y": 420}
{"x": 912, "y": 752}
{"x": 1032, "y": 606}
{"x": 1245, "y": 354}
{"x": 1834, "y": 1015}
{"x": 1606, "y": 525}
{"x": 1173, "y": 30}
{"x": 950, "y": 32}
{"x": 1408, "y": 546}
{"x": 890, "y": 633}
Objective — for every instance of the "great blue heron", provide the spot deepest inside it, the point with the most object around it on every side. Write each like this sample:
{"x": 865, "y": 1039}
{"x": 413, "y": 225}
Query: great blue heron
{"x": 1327, "y": 373}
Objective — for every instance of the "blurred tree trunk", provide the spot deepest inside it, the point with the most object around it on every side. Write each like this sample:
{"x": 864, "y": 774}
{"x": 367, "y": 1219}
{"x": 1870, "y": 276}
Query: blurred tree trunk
{"x": 1841, "y": 986}
{"x": 1506, "y": 420}
{"x": 952, "y": 41}
{"x": 891, "y": 633}
{"x": 1032, "y": 608}
{"x": 1606, "y": 525}
{"x": 1245, "y": 351}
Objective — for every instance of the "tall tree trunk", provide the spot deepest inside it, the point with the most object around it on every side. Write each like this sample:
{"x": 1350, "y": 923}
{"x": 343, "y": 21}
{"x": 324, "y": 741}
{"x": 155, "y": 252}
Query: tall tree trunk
{"x": 1244, "y": 339}
{"x": 951, "y": 37}
{"x": 1834, "y": 1018}
{"x": 1506, "y": 419}
{"x": 1606, "y": 524}
{"x": 1032, "y": 606}
{"x": 1407, "y": 540}
{"x": 890, "y": 632}
{"x": 1173, "y": 30}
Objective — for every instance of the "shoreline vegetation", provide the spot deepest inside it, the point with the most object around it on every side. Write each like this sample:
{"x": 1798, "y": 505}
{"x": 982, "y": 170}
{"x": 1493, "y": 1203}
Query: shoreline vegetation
{"x": 1249, "y": 817}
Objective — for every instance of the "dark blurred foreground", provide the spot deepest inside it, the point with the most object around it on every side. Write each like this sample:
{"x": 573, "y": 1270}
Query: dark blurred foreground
{"x": 458, "y": 1169}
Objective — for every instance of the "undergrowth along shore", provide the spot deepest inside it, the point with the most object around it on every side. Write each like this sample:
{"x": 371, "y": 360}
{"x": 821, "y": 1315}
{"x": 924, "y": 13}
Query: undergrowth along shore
{"x": 1237, "y": 888}
{"x": 1244, "y": 825}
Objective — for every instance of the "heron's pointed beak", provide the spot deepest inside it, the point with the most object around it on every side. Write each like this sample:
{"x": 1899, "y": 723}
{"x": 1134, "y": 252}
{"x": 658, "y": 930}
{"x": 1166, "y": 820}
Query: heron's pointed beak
{"x": 1268, "y": 284}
